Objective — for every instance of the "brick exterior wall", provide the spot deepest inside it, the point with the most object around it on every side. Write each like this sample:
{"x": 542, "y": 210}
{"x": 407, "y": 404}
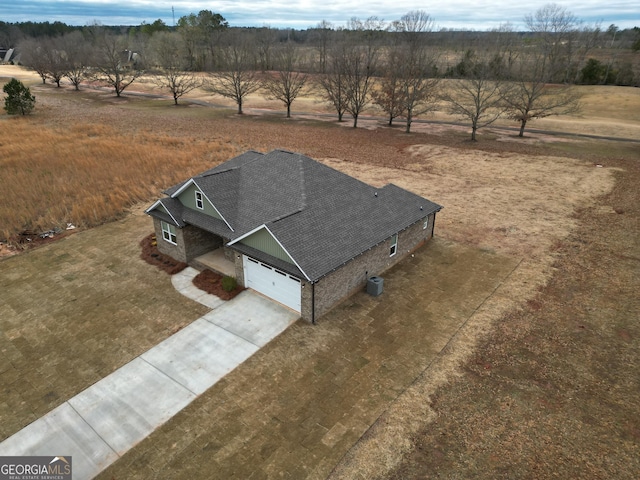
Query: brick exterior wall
{"x": 345, "y": 281}
{"x": 191, "y": 242}
{"x": 229, "y": 254}
{"x": 329, "y": 290}
{"x": 237, "y": 259}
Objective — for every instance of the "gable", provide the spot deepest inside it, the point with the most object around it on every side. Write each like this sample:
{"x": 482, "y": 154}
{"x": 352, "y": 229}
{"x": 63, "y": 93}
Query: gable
{"x": 188, "y": 198}
{"x": 265, "y": 242}
{"x": 169, "y": 213}
{"x": 161, "y": 208}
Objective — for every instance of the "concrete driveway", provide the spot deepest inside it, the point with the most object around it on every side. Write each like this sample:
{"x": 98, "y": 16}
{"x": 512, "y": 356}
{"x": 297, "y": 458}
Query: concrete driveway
{"x": 100, "y": 424}
{"x": 296, "y": 407}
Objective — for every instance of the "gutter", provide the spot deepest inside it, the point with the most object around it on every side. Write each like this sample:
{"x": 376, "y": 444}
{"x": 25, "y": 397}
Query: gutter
{"x": 376, "y": 244}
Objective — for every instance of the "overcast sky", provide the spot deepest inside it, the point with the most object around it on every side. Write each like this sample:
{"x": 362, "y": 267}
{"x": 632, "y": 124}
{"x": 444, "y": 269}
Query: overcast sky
{"x": 301, "y": 14}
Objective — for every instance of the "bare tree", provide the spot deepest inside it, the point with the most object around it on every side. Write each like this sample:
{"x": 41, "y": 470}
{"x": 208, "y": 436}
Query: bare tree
{"x": 265, "y": 43}
{"x": 46, "y": 57}
{"x": 56, "y": 61}
{"x": 409, "y": 85}
{"x": 333, "y": 84}
{"x": 479, "y": 96}
{"x": 352, "y": 67}
{"x": 389, "y": 94}
{"x": 419, "y": 84}
{"x": 555, "y": 28}
{"x": 506, "y": 45}
{"x": 532, "y": 97}
{"x": 237, "y": 77}
{"x": 413, "y": 25}
{"x": 321, "y": 38}
{"x": 416, "y": 22}
{"x": 35, "y": 56}
{"x": 77, "y": 54}
{"x": 359, "y": 63}
{"x": 563, "y": 40}
{"x": 416, "y": 66}
{"x": 288, "y": 81}
{"x": 168, "y": 53}
{"x": 373, "y": 26}
{"x": 115, "y": 64}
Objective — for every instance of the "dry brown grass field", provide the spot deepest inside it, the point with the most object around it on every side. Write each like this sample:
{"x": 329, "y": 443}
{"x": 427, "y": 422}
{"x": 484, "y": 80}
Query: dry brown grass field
{"x": 87, "y": 174}
{"x": 540, "y": 379}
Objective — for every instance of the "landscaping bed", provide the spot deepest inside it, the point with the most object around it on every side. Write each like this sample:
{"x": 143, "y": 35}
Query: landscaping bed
{"x": 208, "y": 281}
{"x": 153, "y": 256}
{"x": 214, "y": 284}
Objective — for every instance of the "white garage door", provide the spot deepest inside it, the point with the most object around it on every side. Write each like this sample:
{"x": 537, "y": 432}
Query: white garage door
{"x": 273, "y": 283}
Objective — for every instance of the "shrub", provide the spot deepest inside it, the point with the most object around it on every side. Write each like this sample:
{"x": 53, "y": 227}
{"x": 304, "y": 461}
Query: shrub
{"x": 229, "y": 284}
{"x": 18, "y": 99}
{"x": 597, "y": 73}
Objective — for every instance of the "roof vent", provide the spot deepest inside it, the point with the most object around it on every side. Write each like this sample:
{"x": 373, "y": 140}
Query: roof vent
{"x": 420, "y": 207}
{"x": 375, "y": 194}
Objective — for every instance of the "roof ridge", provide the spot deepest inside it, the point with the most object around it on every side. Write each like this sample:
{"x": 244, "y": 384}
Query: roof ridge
{"x": 303, "y": 185}
{"x": 284, "y": 151}
{"x": 286, "y": 215}
{"x": 210, "y": 173}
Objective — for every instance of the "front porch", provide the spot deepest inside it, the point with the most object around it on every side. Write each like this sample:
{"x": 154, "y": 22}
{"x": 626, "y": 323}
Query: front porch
{"x": 215, "y": 260}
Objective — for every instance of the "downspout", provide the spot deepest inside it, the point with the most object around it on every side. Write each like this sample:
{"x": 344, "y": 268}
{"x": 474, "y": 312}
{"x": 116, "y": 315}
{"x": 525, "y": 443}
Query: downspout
{"x": 313, "y": 303}
{"x": 433, "y": 225}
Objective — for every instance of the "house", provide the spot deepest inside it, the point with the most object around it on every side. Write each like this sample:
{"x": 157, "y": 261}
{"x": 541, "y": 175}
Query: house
{"x": 6, "y": 55}
{"x": 296, "y": 230}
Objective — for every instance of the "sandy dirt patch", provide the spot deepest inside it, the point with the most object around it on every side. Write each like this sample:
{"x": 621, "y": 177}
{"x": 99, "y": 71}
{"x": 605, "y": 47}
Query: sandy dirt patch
{"x": 513, "y": 204}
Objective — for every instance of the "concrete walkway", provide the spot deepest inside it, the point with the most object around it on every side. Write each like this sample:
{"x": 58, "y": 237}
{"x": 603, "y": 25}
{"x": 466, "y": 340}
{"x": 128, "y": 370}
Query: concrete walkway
{"x": 100, "y": 424}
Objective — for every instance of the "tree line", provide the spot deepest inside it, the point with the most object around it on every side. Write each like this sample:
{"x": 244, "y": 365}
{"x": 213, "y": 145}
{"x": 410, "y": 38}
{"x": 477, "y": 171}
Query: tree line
{"x": 399, "y": 66}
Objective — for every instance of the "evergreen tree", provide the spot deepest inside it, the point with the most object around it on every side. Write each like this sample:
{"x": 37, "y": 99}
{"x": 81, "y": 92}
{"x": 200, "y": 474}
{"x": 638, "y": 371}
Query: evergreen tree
{"x": 18, "y": 99}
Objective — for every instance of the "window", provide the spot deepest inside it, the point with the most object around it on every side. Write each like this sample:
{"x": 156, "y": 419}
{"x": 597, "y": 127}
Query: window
{"x": 199, "y": 202}
{"x": 394, "y": 245}
{"x": 425, "y": 225}
{"x": 169, "y": 233}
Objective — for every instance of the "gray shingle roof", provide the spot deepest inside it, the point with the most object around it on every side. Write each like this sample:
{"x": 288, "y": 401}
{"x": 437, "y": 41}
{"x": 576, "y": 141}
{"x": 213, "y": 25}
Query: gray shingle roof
{"x": 175, "y": 209}
{"x": 322, "y": 217}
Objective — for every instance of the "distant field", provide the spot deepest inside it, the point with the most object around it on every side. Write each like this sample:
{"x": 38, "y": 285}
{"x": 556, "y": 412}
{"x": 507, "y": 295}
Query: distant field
{"x": 605, "y": 110}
